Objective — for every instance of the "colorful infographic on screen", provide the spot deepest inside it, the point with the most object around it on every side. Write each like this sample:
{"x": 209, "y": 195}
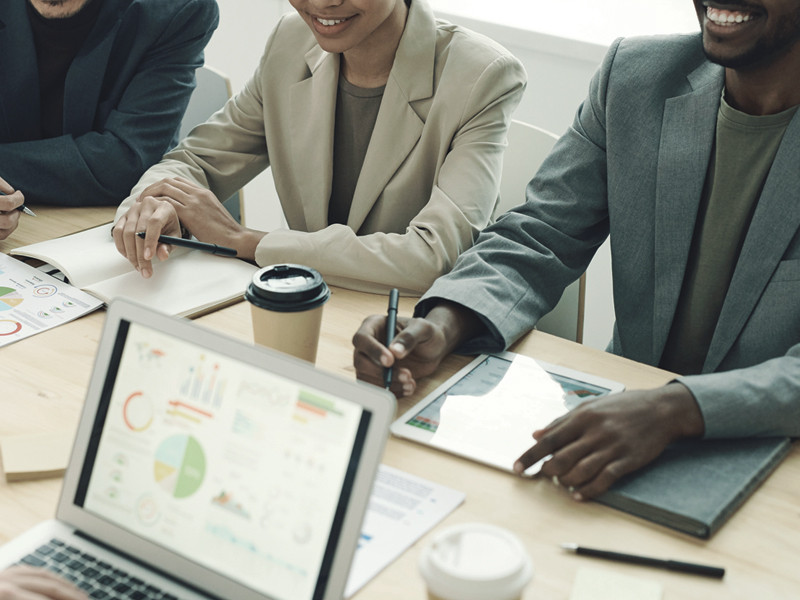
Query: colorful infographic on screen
{"x": 199, "y": 451}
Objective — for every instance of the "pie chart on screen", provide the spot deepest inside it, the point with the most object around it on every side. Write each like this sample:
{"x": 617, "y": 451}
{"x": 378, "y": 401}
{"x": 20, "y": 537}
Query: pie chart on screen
{"x": 9, "y": 298}
{"x": 180, "y": 465}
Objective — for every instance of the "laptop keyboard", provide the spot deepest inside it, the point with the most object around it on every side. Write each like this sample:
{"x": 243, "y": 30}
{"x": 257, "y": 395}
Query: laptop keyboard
{"x": 99, "y": 579}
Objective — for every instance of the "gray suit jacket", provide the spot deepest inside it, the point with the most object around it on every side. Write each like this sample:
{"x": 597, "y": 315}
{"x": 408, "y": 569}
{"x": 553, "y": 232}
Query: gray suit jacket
{"x": 431, "y": 175}
{"x": 124, "y": 97}
{"x": 633, "y": 166}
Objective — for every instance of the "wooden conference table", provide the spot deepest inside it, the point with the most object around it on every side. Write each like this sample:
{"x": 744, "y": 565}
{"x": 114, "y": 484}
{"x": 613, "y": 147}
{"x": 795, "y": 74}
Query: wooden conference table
{"x": 43, "y": 385}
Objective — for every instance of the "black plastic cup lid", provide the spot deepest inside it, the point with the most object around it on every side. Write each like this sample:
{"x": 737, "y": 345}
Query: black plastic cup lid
{"x": 287, "y": 288}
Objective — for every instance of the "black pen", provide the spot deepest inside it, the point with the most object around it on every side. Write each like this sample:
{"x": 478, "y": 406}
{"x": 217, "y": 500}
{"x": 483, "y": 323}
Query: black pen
{"x": 391, "y": 324}
{"x": 26, "y": 210}
{"x": 194, "y": 244}
{"x": 672, "y": 565}
{"x": 22, "y": 207}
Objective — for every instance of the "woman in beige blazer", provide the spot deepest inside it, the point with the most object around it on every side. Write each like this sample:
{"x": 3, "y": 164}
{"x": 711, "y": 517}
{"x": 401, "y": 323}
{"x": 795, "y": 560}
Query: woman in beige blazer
{"x": 431, "y": 163}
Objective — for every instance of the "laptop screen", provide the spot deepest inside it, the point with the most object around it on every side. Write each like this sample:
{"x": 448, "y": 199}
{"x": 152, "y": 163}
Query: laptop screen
{"x": 234, "y": 467}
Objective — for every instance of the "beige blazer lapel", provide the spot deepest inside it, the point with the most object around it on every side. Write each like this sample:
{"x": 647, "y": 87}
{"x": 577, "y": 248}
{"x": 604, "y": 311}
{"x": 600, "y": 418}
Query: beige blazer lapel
{"x": 313, "y": 112}
{"x": 398, "y": 126}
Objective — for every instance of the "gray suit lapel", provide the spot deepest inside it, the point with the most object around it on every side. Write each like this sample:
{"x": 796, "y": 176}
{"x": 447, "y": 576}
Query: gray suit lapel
{"x": 19, "y": 119}
{"x": 687, "y": 136}
{"x": 313, "y": 113}
{"x": 774, "y": 225}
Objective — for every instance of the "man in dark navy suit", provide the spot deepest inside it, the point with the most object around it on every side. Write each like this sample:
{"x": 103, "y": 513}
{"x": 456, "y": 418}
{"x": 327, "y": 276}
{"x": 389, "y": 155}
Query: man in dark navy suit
{"x": 92, "y": 94}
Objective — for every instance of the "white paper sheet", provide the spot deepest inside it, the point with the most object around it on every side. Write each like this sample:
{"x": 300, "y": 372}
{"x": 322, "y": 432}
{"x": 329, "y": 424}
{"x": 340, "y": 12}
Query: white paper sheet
{"x": 32, "y": 301}
{"x": 402, "y": 508}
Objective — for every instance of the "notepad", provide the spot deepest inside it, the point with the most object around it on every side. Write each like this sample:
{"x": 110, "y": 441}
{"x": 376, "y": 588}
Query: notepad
{"x": 189, "y": 283}
{"x": 696, "y": 485}
{"x": 35, "y": 456}
{"x": 592, "y": 583}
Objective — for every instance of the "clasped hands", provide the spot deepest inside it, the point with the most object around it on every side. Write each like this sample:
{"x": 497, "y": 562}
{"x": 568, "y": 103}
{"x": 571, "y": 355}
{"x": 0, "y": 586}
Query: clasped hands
{"x": 164, "y": 208}
{"x": 589, "y": 448}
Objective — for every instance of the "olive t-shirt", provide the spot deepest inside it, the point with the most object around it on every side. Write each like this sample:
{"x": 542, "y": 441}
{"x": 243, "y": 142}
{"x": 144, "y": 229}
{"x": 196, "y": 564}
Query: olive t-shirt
{"x": 743, "y": 153}
{"x": 356, "y": 113}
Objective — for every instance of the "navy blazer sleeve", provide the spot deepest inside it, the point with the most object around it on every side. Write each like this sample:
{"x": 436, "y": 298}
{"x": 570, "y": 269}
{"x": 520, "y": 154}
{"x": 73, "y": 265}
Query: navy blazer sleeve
{"x": 147, "y": 76}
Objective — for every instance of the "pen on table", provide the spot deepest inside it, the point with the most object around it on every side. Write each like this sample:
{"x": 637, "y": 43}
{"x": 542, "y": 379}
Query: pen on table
{"x": 391, "y": 324}
{"x": 22, "y": 207}
{"x": 672, "y": 565}
{"x": 194, "y": 244}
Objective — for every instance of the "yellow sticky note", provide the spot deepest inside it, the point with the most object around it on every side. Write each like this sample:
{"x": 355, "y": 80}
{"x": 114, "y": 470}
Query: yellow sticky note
{"x": 35, "y": 456}
{"x": 593, "y": 583}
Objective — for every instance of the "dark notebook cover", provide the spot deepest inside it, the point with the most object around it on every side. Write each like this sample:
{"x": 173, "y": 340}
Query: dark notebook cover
{"x": 695, "y": 486}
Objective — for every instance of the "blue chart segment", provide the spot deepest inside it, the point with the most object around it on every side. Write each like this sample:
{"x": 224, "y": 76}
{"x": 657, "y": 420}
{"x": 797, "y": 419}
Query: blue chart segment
{"x": 180, "y": 465}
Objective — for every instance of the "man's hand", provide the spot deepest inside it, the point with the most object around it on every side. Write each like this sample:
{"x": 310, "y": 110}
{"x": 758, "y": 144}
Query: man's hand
{"x": 10, "y": 199}
{"x": 417, "y": 348}
{"x": 604, "y": 439}
{"x": 27, "y": 583}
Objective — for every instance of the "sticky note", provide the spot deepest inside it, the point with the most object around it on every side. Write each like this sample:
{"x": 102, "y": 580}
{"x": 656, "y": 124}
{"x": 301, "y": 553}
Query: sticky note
{"x": 35, "y": 456}
{"x": 593, "y": 583}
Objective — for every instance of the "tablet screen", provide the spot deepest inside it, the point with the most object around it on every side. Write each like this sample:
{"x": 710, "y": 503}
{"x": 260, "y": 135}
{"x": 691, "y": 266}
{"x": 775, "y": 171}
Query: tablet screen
{"x": 484, "y": 377}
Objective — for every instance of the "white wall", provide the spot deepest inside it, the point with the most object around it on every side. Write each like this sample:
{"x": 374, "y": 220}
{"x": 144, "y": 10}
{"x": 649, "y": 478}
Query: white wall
{"x": 560, "y": 42}
{"x": 235, "y": 49}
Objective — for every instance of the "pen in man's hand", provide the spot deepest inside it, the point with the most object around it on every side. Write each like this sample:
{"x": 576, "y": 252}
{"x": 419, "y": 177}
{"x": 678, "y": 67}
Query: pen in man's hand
{"x": 22, "y": 207}
{"x": 391, "y": 324}
{"x": 672, "y": 565}
{"x": 26, "y": 210}
{"x": 194, "y": 244}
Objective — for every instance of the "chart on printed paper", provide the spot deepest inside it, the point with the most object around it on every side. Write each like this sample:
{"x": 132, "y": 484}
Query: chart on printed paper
{"x": 31, "y": 301}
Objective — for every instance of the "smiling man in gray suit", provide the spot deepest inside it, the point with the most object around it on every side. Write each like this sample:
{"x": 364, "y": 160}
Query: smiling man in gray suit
{"x": 687, "y": 153}
{"x": 93, "y": 92}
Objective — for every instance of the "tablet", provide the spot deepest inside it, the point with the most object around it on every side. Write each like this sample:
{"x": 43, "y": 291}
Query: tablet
{"x": 480, "y": 377}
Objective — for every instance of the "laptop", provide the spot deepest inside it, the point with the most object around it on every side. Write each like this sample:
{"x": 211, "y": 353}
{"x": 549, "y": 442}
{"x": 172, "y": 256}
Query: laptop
{"x": 204, "y": 467}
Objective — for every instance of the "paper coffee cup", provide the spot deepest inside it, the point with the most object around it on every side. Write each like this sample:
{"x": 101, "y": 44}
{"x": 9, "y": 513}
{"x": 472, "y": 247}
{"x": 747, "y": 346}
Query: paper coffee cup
{"x": 475, "y": 561}
{"x": 286, "y": 307}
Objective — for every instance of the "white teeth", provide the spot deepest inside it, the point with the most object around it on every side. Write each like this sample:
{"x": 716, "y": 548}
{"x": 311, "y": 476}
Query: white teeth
{"x": 725, "y": 17}
{"x": 331, "y": 22}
